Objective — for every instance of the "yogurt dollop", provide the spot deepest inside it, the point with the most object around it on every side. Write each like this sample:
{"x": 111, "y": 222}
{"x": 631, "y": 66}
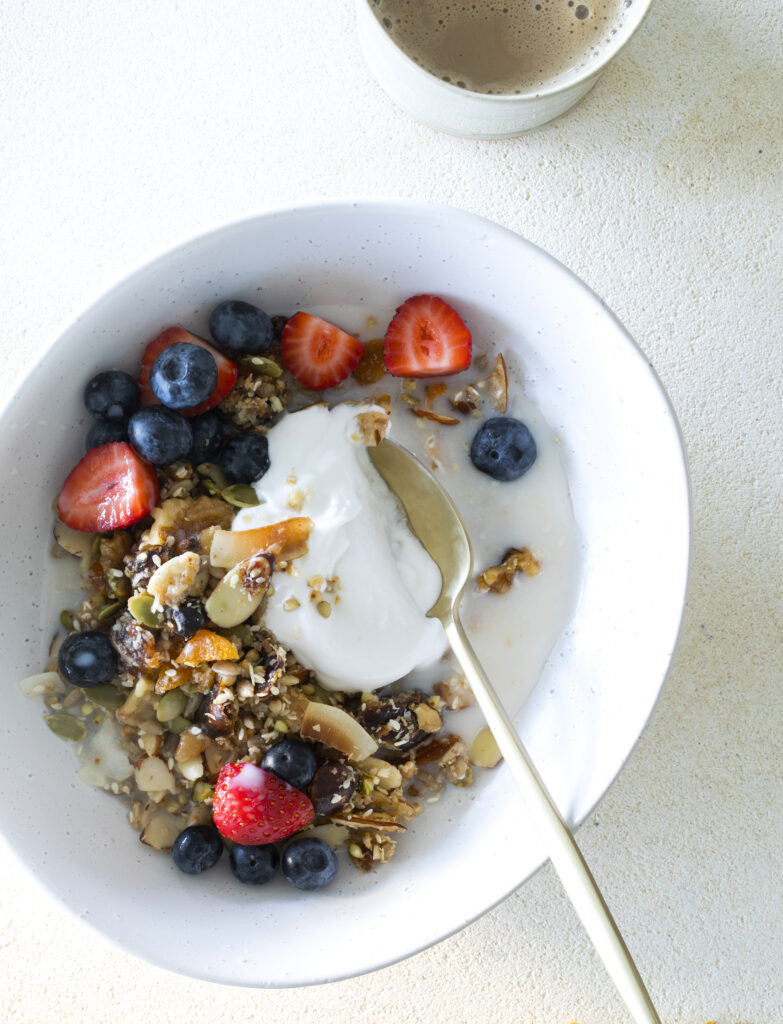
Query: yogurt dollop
{"x": 363, "y": 561}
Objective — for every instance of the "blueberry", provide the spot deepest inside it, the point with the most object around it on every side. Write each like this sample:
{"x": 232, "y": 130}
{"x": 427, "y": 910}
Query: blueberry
{"x": 105, "y": 432}
{"x": 186, "y": 620}
{"x": 503, "y": 448}
{"x": 254, "y": 865}
{"x": 159, "y": 435}
{"x": 207, "y": 438}
{"x": 291, "y": 760}
{"x": 184, "y": 375}
{"x": 245, "y": 458}
{"x": 240, "y": 328}
{"x": 197, "y": 849}
{"x": 87, "y": 659}
{"x": 112, "y": 395}
{"x": 309, "y": 863}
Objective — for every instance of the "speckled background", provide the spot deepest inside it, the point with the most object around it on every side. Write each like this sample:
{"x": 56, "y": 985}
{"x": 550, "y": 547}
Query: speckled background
{"x": 125, "y": 127}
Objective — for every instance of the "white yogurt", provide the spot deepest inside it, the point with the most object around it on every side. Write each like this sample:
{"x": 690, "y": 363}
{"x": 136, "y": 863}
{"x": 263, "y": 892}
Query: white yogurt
{"x": 362, "y": 558}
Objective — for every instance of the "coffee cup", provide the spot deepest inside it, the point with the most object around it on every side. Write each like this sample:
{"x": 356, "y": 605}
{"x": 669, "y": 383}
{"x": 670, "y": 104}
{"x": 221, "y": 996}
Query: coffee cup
{"x": 492, "y": 70}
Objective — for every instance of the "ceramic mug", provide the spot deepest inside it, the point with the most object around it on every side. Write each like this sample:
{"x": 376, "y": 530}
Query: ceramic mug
{"x": 474, "y": 115}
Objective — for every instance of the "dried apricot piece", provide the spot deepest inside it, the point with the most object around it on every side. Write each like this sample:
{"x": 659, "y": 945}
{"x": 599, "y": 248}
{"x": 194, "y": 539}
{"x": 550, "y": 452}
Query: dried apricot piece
{"x": 207, "y": 646}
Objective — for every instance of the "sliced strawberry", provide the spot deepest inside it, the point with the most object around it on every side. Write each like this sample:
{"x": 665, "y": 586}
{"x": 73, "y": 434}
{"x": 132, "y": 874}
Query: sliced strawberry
{"x": 426, "y": 338}
{"x": 110, "y": 488}
{"x": 227, "y": 371}
{"x": 253, "y": 806}
{"x": 317, "y": 353}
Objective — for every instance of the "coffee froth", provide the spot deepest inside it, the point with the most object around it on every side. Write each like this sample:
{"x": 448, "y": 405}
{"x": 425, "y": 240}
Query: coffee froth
{"x": 503, "y": 46}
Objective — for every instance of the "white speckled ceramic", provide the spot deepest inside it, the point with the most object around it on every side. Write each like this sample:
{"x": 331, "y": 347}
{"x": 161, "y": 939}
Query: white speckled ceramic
{"x": 471, "y": 114}
{"x": 624, "y": 459}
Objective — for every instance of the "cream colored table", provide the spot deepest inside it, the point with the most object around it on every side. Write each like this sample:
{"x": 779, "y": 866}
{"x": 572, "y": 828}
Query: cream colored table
{"x": 125, "y": 127}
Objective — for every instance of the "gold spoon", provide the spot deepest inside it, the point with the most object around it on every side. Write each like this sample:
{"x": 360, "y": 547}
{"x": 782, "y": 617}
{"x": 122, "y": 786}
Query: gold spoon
{"x": 437, "y": 524}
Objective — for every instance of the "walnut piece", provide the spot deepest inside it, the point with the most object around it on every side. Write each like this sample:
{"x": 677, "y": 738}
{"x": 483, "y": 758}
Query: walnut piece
{"x": 498, "y": 578}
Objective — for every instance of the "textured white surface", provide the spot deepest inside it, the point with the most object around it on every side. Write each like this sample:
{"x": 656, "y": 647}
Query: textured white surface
{"x": 126, "y": 127}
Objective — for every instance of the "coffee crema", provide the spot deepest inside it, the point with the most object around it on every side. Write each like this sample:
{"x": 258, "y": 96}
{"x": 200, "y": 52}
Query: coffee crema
{"x": 502, "y": 46}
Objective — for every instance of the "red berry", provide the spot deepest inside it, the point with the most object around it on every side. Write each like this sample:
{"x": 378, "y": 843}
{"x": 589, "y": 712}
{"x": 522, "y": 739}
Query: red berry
{"x": 253, "y": 806}
{"x": 426, "y": 338}
{"x": 108, "y": 489}
{"x": 317, "y": 353}
{"x": 227, "y": 371}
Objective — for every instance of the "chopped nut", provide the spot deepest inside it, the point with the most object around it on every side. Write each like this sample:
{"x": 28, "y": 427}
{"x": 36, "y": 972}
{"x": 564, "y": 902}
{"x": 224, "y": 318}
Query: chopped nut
{"x": 455, "y": 693}
{"x": 484, "y": 751}
{"x": 373, "y": 426}
{"x": 498, "y": 578}
{"x": 466, "y": 400}
{"x": 290, "y": 604}
{"x": 428, "y": 718}
{"x": 436, "y": 417}
{"x": 171, "y": 583}
{"x": 336, "y": 728}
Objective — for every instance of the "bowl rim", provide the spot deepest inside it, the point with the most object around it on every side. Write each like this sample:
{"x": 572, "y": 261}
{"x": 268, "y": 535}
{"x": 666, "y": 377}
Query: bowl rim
{"x": 383, "y": 206}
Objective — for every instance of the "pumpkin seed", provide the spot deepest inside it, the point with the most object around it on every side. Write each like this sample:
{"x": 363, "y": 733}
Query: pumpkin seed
{"x": 67, "y": 727}
{"x": 240, "y": 496}
{"x": 266, "y": 367}
{"x": 202, "y": 792}
{"x": 140, "y": 607}
{"x": 171, "y": 706}
{"x": 66, "y": 619}
{"x": 107, "y": 696}
{"x": 210, "y": 487}
{"x": 108, "y": 610}
{"x": 213, "y": 472}
{"x": 179, "y": 724}
{"x": 117, "y": 585}
{"x": 242, "y": 633}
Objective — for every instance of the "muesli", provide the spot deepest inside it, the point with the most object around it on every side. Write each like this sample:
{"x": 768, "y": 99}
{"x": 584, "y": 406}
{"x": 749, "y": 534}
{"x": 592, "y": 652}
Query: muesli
{"x": 177, "y": 694}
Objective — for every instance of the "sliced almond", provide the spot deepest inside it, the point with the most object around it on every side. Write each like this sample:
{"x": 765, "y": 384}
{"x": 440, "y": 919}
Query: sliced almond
{"x": 240, "y": 592}
{"x": 286, "y": 540}
{"x": 484, "y": 751}
{"x": 42, "y": 684}
{"x": 171, "y": 582}
{"x": 377, "y": 821}
{"x": 436, "y": 417}
{"x": 335, "y": 728}
{"x": 153, "y": 775}
{"x": 496, "y": 385}
{"x": 73, "y": 541}
{"x": 191, "y": 769}
{"x": 161, "y": 830}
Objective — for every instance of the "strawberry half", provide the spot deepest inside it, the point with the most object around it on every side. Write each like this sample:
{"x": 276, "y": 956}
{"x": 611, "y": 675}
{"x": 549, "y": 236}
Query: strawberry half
{"x": 317, "y": 353}
{"x": 426, "y": 338}
{"x": 253, "y": 806}
{"x": 110, "y": 488}
{"x": 227, "y": 371}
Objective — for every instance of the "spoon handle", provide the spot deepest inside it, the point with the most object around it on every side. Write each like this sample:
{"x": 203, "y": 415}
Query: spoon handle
{"x": 560, "y": 844}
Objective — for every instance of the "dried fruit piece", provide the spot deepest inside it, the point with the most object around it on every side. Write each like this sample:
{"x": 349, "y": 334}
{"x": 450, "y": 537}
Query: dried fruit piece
{"x": 436, "y": 417}
{"x": 206, "y": 646}
{"x": 286, "y": 540}
{"x": 336, "y": 728}
{"x": 370, "y": 367}
{"x": 333, "y": 786}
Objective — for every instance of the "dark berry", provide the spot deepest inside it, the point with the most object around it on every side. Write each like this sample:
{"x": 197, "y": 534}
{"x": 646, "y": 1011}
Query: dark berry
{"x": 186, "y": 620}
{"x": 112, "y": 395}
{"x": 333, "y": 786}
{"x": 197, "y": 849}
{"x": 184, "y": 375}
{"x": 207, "y": 438}
{"x": 240, "y": 328}
{"x": 104, "y": 432}
{"x": 503, "y": 448}
{"x": 254, "y": 865}
{"x": 292, "y": 761}
{"x": 160, "y": 435}
{"x": 245, "y": 458}
{"x": 309, "y": 863}
{"x": 87, "y": 659}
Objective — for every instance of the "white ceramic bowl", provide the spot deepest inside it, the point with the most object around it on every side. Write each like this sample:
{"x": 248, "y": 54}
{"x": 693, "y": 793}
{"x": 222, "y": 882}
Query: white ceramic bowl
{"x": 627, "y": 475}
